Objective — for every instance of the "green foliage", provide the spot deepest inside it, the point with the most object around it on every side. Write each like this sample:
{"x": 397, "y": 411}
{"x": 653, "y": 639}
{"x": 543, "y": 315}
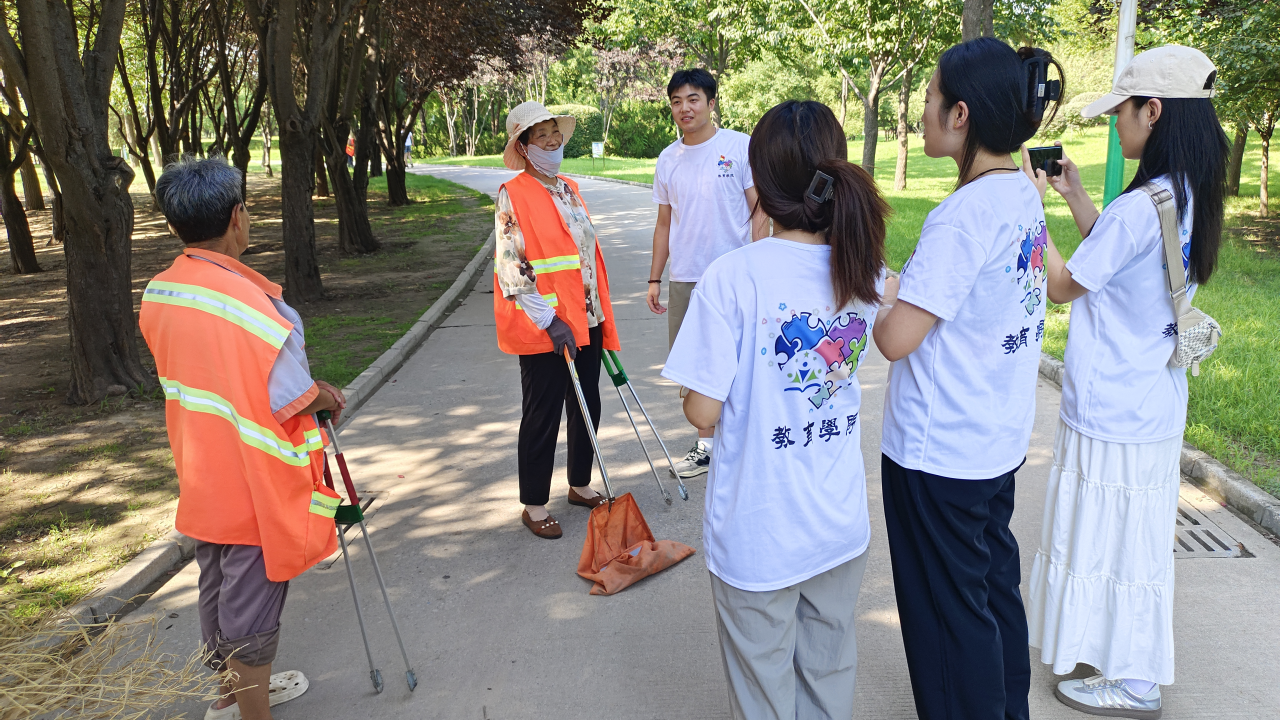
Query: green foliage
{"x": 640, "y": 130}
{"x": 590, "y": 128}
{"x": 746, "y": 95}
{"x": 571, "y": 80}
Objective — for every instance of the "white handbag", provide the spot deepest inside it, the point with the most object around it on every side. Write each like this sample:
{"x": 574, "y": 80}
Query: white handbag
{"x": 1198, "y": 334}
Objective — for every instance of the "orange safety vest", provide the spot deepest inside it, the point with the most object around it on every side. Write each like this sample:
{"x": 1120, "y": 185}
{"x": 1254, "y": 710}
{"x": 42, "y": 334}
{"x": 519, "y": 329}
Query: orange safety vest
{"x": 552, "y": 252}
{"x": 243, "y": 477}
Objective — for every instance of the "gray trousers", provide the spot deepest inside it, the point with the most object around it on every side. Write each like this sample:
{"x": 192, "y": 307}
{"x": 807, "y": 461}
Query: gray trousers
{"x": 791, "y": 653}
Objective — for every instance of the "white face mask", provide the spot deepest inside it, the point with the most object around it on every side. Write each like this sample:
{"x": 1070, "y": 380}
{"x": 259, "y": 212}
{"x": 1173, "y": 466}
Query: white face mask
{"x": 546, "y": 162}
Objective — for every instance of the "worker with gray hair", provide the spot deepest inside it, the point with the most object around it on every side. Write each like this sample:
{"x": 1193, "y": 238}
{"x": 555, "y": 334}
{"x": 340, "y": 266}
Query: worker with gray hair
{"x": 248, "y": 452}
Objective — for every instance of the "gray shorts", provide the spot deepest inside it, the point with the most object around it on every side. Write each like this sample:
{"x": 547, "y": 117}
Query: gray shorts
{"x": 239, "y": 607}
{"x": 791, "y": 653}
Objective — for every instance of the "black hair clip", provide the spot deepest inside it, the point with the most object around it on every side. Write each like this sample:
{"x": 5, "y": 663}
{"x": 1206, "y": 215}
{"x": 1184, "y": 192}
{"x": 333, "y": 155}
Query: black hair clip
{"x": 827, "y": 189}
{"x": 1040, "y": 89}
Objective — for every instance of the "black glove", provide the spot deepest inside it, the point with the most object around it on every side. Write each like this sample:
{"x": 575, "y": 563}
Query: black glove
{"x": 562, "y": 337}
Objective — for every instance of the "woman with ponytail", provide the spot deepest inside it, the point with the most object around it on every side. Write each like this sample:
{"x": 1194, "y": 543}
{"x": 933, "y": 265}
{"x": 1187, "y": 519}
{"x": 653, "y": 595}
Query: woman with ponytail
{"x": 1102, "y": 583}
{"x": 769, "y": 351}
{"x": 964, "y": 329}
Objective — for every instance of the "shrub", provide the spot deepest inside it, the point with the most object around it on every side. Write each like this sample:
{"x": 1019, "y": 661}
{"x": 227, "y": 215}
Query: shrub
{"x": 640, "y": 129}
{"x": 590, "y": 128}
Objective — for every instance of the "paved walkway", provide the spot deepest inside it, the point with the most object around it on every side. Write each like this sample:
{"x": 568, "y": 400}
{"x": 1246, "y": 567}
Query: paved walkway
{"x": 500, "y": 627}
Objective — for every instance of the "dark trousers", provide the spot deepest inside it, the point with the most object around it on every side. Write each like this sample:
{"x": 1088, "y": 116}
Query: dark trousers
{"x": 544, "y": 378}
{"x": 956, "y": 575}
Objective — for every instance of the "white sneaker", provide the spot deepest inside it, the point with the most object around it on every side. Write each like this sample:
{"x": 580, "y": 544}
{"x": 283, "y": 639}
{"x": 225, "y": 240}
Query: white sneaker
{"x": 696, "y": 463}
{"x": 1109, "y": 698}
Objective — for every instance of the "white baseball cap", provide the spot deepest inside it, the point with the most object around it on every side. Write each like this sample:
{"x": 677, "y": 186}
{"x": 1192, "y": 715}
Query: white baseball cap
{"x": 524, "y": 116}
{"x": 1169, "y": 71}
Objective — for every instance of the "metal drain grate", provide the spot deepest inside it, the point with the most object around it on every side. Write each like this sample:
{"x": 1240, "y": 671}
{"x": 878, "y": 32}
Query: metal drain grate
{"x": 1197, "y": 536}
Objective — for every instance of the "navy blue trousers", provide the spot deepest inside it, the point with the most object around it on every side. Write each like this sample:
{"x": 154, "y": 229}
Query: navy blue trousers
{"x": 956, "y": 576}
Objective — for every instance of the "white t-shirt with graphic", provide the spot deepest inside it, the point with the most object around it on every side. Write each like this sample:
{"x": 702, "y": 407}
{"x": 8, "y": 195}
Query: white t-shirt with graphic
{"x": 963, "y": 403}
{"x": 1118, "y": 385}
{"x": 786, "y": 493}
{"x": 705, "y": 185}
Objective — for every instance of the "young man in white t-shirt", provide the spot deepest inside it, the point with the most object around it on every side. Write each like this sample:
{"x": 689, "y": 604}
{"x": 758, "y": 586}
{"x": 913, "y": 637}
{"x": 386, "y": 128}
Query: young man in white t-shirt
{"x": 702, "y": 185}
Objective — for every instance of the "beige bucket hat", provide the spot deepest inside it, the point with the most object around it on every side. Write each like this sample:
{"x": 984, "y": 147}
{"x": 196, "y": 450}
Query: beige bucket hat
{"x": 524, "y": 116}
{"x": 1169, "y": 71}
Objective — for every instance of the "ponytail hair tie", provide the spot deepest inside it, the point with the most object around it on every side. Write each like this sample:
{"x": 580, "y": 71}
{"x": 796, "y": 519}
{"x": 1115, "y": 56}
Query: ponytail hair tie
{"x": 827, "y": 189}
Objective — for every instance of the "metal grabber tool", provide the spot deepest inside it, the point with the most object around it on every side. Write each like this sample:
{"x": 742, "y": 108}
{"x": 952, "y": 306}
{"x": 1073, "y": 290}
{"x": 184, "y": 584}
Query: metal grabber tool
{"x": 586, "y": 420}
{"x": 353, "y": 514}
{"x": 613, "y": 366}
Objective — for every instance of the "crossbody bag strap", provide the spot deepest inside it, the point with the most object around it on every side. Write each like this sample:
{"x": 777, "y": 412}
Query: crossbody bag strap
{"x": 1166, "y": 208}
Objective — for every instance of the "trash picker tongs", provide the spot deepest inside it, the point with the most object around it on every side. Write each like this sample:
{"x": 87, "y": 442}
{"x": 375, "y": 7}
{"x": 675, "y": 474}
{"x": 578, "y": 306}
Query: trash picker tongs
{"x": 613, "y": 366}
{"x": 586, "y": 420}
{"x": 346, "y": 516}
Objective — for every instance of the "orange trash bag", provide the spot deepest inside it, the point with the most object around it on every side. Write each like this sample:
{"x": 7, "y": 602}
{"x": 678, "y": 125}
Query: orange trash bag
{"x": 620, "y": 550}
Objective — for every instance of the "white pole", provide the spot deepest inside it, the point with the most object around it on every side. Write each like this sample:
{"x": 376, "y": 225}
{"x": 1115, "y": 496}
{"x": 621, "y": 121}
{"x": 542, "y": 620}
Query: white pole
{"x": 1124, "y": 37}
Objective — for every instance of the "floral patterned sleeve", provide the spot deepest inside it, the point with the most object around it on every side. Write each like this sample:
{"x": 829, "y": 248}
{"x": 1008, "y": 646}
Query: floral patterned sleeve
{"x": 515, "y": 274}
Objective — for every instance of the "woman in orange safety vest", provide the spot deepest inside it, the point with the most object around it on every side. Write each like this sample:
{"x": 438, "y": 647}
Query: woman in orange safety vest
{"x": 551, "y": 293}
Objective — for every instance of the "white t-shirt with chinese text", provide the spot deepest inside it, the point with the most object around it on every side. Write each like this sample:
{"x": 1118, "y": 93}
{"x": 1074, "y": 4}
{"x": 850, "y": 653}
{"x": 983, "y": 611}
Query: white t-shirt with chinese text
{"x": 963, "y": 403}
{"x": 786, "y": 493}
{"x": 1118, "y": 385}
{"x": 705, "y": 185}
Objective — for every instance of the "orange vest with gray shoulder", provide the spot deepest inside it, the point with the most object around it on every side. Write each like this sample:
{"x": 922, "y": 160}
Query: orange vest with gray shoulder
{"x": 551, "y": 250}
{"x": 244, "y": 478}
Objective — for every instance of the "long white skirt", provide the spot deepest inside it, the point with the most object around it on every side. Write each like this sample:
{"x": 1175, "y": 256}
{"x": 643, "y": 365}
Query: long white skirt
{"x": 1102, "y": 581}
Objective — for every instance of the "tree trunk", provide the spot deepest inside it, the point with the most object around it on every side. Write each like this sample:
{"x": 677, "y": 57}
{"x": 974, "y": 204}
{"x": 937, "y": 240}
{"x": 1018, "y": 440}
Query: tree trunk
{"x": 31, "y": 186}
{"x": 355, "y": 236}
{"x": 266, "y": 150}
{"x": 366, "y": 146}
{"x": 977, "y": 19}
{"x": 22, "y": 249}
{"x": 302, "y": 282}
{"x": 904, "y": 100}
{"x": 397, "y": 193}
{"x": 321, "y": 182}
{"x": 56, "y": 218}
{"x": 1266, "y": 162}
{"x": 375, "y": 162}
{"x": 844, "y": 99}
{"x": 870, "y": 121}
{"x": 1236, "y": 159}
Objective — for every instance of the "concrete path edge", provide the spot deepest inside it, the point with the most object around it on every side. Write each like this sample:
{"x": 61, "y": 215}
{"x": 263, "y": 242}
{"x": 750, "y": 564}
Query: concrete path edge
{"x": 164, "y": 554}
{"x": 1217, "y": 480}
{"x": 368, "y": 382}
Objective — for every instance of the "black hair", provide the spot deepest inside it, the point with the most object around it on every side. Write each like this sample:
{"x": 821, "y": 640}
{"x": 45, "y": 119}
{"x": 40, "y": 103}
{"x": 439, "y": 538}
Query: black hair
{"x": 792, "y": 142}
{"x": 697, "y": 77}
{"x": 1188, "y": 145}
{"x": 198, "y": 197}
{"x": 996, "y": 83}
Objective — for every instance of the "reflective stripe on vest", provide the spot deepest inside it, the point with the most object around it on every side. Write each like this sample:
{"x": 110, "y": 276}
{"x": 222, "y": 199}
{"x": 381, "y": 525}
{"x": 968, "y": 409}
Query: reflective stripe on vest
{"x": 251, "y": 433}
{"x": 552, "y": 300}
{"x": 556, "y": 264}
{"x": 219, "y": 305}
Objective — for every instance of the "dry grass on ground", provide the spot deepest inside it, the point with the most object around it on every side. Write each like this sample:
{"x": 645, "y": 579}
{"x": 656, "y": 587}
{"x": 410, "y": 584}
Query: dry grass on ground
{"x": 83, "y": 489}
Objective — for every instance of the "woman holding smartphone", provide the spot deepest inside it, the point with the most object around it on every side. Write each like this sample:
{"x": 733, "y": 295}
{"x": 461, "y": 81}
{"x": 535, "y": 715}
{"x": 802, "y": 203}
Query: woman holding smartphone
{"x": 964, "y": 333}
{"x": 1102, "y": 582}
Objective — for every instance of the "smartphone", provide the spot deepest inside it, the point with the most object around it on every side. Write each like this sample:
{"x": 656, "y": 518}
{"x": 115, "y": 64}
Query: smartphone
{"x": 1042, "y": 158}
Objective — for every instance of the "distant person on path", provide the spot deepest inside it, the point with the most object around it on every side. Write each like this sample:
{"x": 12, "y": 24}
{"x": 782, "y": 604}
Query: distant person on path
{"x": 248, "y": 452}
{"x": 963, "y": 329}
{"x": 705, "y": 195}
{"x": 351, "y": 152}
{"x": 551, "y": 292}
{"x": 770, "y": 350}
{"x": 1102, "y": 582}
{"x": 408, "y": 149}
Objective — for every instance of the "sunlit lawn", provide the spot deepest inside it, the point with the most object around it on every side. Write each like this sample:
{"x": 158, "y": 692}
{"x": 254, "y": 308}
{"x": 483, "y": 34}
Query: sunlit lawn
{"x": 1233, "y": 411}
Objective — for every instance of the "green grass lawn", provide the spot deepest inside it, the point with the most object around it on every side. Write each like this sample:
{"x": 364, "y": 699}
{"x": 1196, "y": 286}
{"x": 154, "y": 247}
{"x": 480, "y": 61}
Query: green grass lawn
{"x": 1233, "y": 412}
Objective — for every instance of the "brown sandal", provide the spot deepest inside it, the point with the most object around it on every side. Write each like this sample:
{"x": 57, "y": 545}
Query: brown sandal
{"x": 549, "y": 528}
{"x": 576, "y": 499}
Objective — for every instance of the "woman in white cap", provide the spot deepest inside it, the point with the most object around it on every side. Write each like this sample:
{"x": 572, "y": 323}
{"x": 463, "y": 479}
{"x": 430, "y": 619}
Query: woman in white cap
{"x": 551, "y": 297}
{"x": 1102, "y": 582}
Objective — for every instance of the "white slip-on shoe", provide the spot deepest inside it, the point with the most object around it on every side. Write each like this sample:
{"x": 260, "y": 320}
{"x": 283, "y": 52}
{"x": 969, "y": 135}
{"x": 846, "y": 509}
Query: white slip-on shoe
{"x": 284, "y": 686}
{"x": 1109, "y": 698}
